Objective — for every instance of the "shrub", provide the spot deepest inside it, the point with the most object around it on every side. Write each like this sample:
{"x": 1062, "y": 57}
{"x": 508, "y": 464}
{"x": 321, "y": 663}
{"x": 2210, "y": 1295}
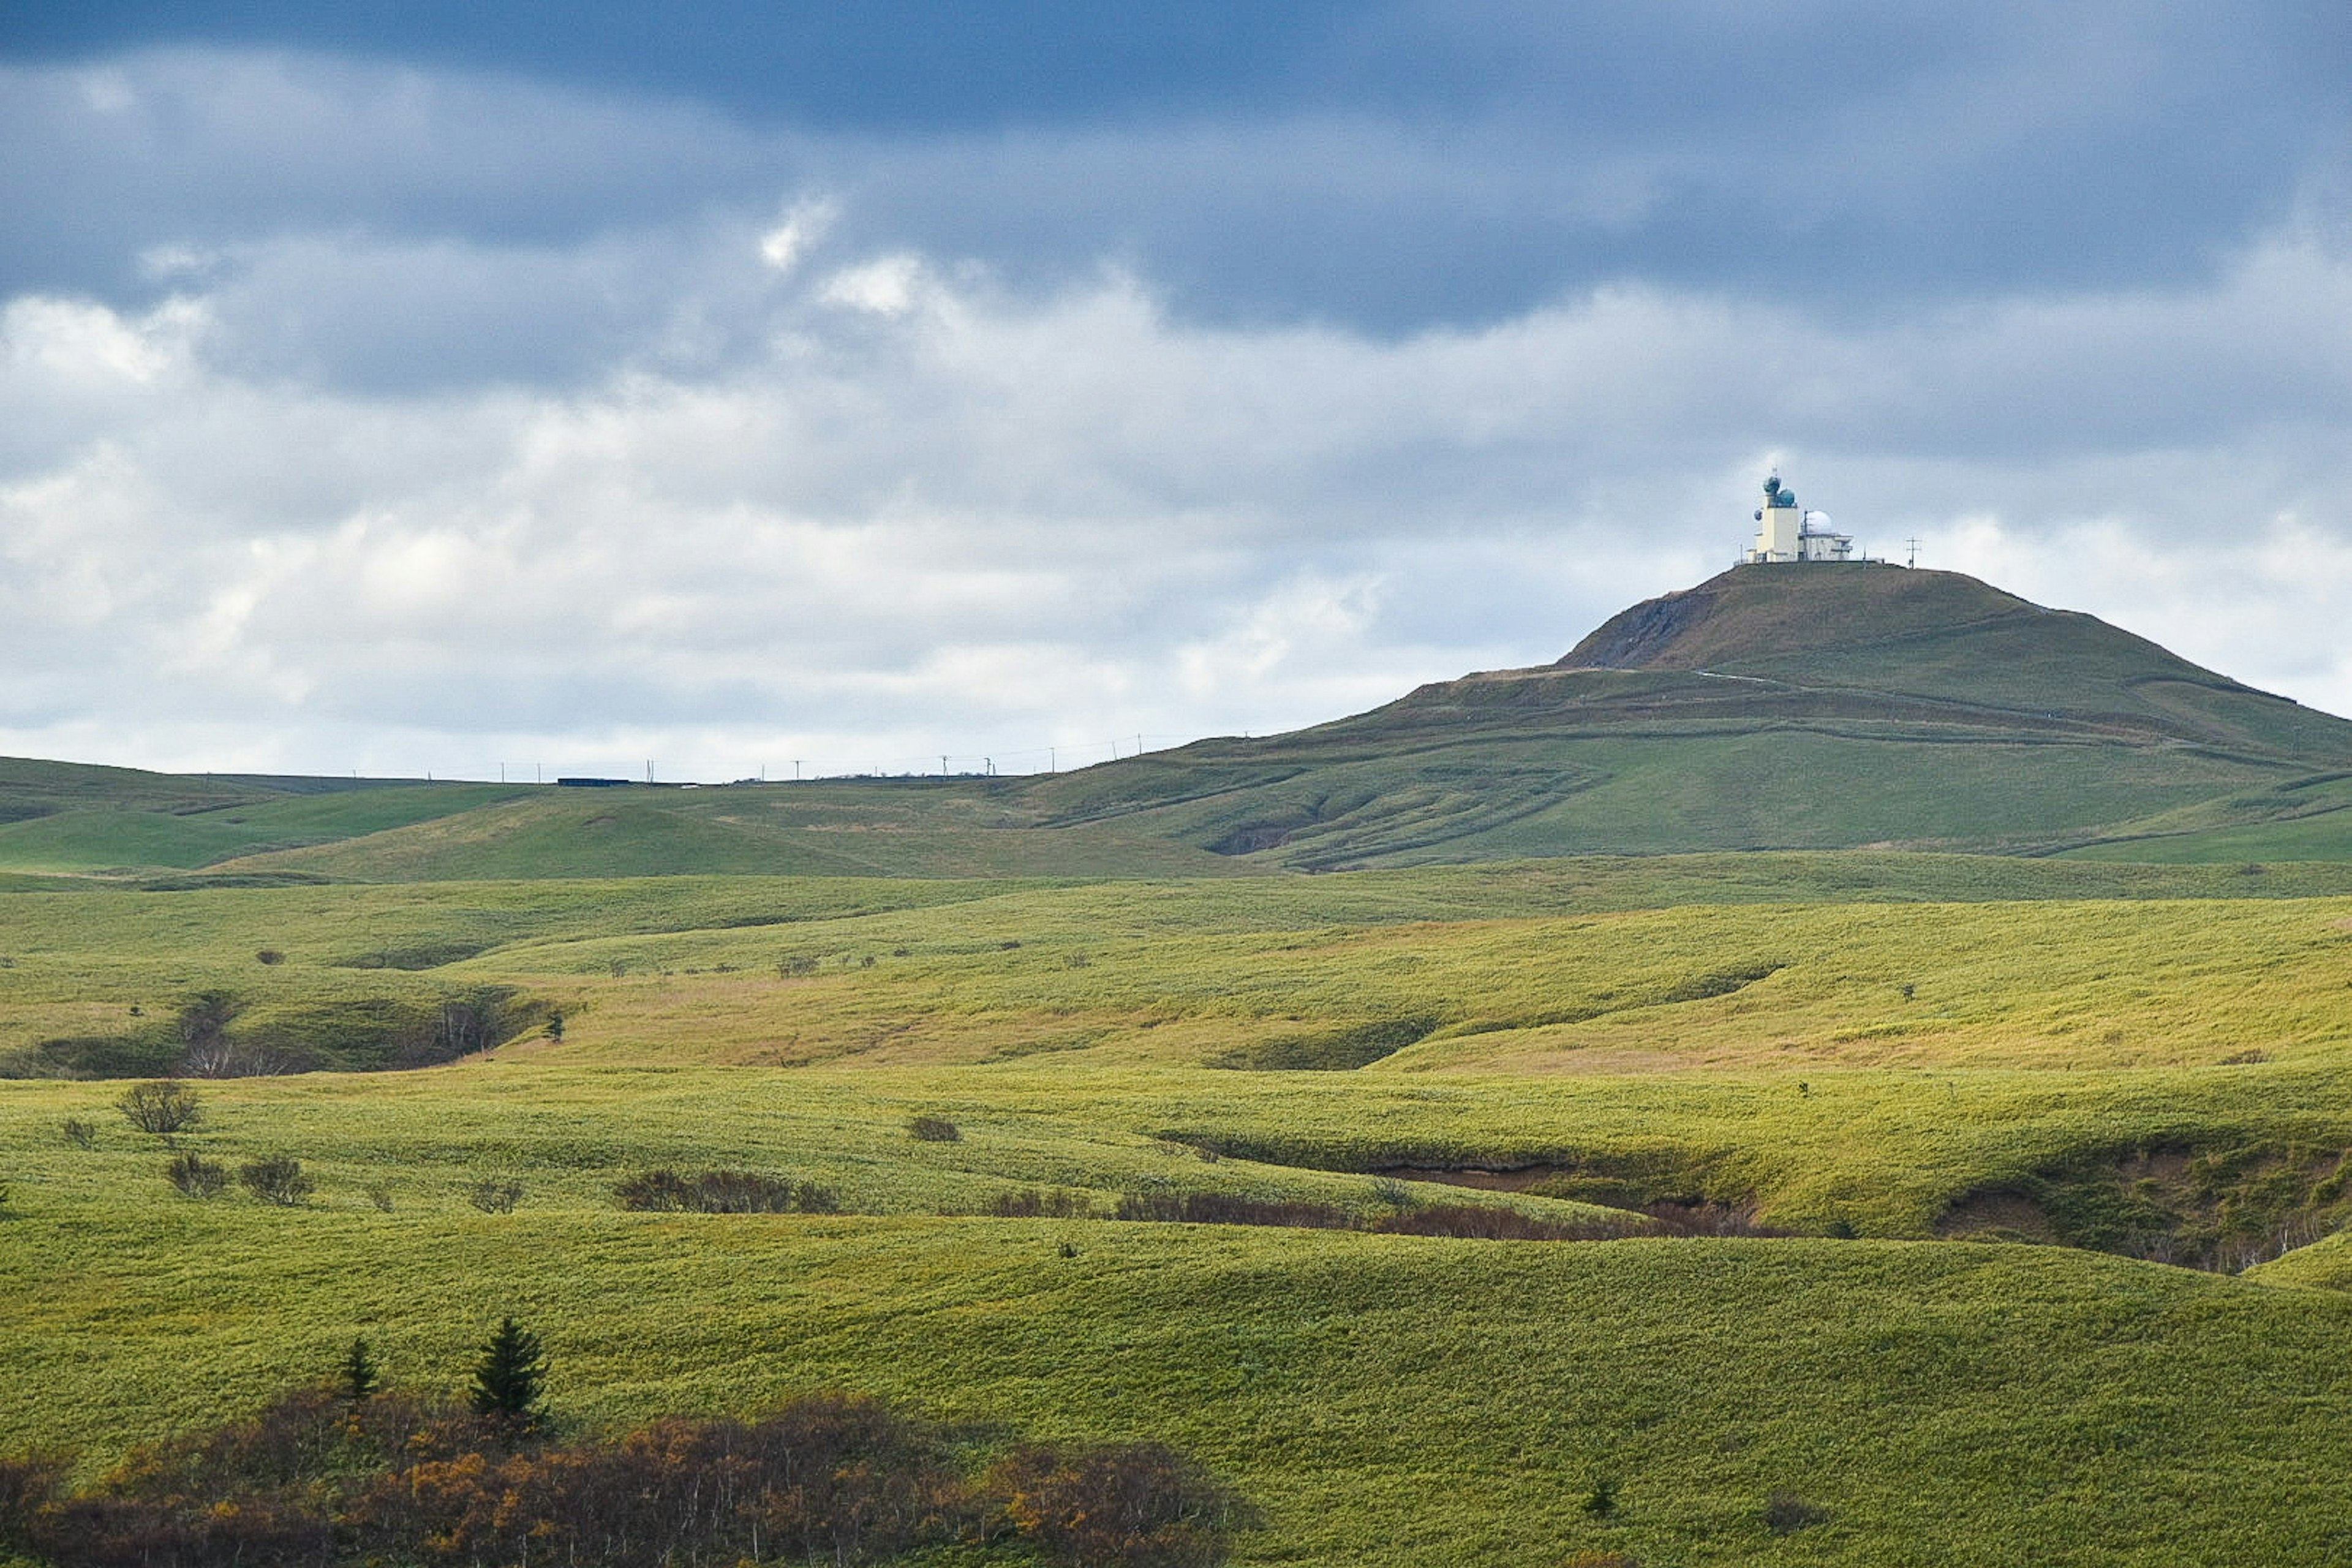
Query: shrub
{"x": 166, "y": 1106}
{"x": 27, "y": 1485}
{"x": 316, "y": 1478}
{"x": 7, "y": 1190}
{"x": 507, "y": 1377}
{"x": 379, "y": 1194}
{"x": 195, "y": 1175}
{"x": 1785, "y": 1513}
{"x": 1601, "y": 1500}
{"x": 1223, "y": 1208}
{"x": 1475, "y": 1222}
{"x": 495, "y": 1194}
{"x": 724, "y": 1191}
{"x": 79, "y": 1133}
{"x": 1033, "y": 1203}
{"x": 794, "y": 965}
{"x": 933, "y": 1130}
{"x": 831, "y": 1479}
{"x": 1139, "y": 1505}
{"x": 275, "y": 1179}
{"x": 1602, "y": 1559}
{"x": 269, "y": 955}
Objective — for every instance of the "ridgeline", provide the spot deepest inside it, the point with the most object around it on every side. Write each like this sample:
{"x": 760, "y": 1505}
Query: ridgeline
{"x": 1825, "y": 705}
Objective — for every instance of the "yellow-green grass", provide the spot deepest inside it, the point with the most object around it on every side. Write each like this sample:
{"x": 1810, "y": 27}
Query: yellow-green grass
{"x": 1387, "y": 1400}
{"x": 2046, "y": 986}
{"x": 877, "y": 828}
{"x": 777, "y": 971}
{"x": 1875, "y": 1152}
{"x": 122, "y": 839}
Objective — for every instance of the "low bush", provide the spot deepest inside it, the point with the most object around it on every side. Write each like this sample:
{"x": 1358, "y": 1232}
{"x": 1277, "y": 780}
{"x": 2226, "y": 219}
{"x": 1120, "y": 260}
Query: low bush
{"x": 495, "y": 1194}
{"x": 1473, "y": 1222}
{"x": 165, "y": 1107}
{"x": 933, "y": 1130}
{"x": 1142, "y": 1504}
{"x": 275, "y": 1179}
{"x": 1224, "y": 1208}
{"x": 724, "y": 1191}
{"x": 1034, "y": 1204}
{"x": 318, "y": 1476}
{"x": 1785, "y": 1513}
{"x": 78, "y": 1133}
{"x": 195, "y": 1175}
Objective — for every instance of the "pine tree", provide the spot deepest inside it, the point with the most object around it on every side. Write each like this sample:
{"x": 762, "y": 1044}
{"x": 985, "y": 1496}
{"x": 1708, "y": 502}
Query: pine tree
{"x": 359, "y": 1377}
{"x": 506, "y": 1379}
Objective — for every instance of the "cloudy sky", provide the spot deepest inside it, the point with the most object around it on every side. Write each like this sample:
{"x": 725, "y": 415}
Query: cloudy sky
{"x": 431, "y": 386}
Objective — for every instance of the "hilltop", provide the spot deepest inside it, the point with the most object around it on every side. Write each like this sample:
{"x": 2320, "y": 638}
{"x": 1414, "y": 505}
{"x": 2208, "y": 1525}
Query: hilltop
{"x": 1821, "y": 705}
{"x": 1812, "y": 706}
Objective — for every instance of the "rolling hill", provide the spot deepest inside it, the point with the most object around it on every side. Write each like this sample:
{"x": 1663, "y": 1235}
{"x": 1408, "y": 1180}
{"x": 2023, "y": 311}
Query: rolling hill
{"x": 1886, "y": 1162}
{"x": 1822, "y": 706}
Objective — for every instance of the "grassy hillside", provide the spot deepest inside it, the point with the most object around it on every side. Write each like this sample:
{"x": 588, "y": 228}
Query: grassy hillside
{"x": 1386, "y": 1399}
{"x": 124, "y": 836}
{"x": 1915, "y": 1065}
{"x": 1813, "y": 707}
{"x": 1607, "y": 1044}
{"x": 1825, "y": 706}
{"x": 870, "y": 828}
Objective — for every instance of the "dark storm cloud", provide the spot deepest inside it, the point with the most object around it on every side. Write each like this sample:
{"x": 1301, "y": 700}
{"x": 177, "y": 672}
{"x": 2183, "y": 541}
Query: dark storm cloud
{"x": 1383, "y": 166}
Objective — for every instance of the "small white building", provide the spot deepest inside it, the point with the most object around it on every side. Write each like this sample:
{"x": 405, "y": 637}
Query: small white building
{"x": 1786, "y": 531}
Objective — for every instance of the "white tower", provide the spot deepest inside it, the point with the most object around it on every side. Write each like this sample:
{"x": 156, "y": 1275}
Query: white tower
{"x": 1785, "y": 531}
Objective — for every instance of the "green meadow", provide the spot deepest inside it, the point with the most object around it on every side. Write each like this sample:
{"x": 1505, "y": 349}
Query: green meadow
{"x": 1987, "y": 1208}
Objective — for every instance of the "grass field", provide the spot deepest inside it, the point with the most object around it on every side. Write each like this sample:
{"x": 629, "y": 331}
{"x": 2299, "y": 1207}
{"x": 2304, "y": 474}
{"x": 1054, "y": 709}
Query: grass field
{"x": 1880, "y": 1054}
{"x": 1385, "y": 1399}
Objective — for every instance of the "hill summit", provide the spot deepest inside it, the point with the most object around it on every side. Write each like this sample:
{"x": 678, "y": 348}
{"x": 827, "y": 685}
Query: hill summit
{"x": 1752, "y": 613}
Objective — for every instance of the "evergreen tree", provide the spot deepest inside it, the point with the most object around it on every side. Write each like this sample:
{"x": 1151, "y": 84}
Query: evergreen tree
{"x": 506, "y": 1379}
{"x": 359, "y": 1377}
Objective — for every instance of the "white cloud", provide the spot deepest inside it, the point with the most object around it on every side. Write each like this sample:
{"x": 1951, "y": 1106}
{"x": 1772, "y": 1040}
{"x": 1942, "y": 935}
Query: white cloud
{"x": 885, "y": 286}
{"x": 804, "y": 226}
{"x": 412, "y": 496}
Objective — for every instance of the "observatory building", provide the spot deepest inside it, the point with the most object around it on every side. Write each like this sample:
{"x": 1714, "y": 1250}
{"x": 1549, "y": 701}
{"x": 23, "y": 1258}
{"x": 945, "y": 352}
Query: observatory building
{"x": 1787, "y": 532}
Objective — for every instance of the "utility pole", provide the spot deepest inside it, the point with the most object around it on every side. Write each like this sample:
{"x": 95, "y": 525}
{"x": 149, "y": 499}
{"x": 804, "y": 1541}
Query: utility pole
{"x": 1050, "y": 762}
{"x": 796, "y": 769}
{"x": 649, "y": 770}
{"x": 1912, "y": 559}
{"x": 943, "y": 767}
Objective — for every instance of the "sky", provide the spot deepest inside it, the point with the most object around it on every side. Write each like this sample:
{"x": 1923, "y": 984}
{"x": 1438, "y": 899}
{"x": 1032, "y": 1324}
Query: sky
{"x": 777, "y": 385}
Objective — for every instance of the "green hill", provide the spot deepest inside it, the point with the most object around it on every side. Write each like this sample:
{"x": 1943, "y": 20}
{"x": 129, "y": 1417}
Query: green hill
{"x": 1819, "y": 706}
{"x": 1825, "y": 706}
